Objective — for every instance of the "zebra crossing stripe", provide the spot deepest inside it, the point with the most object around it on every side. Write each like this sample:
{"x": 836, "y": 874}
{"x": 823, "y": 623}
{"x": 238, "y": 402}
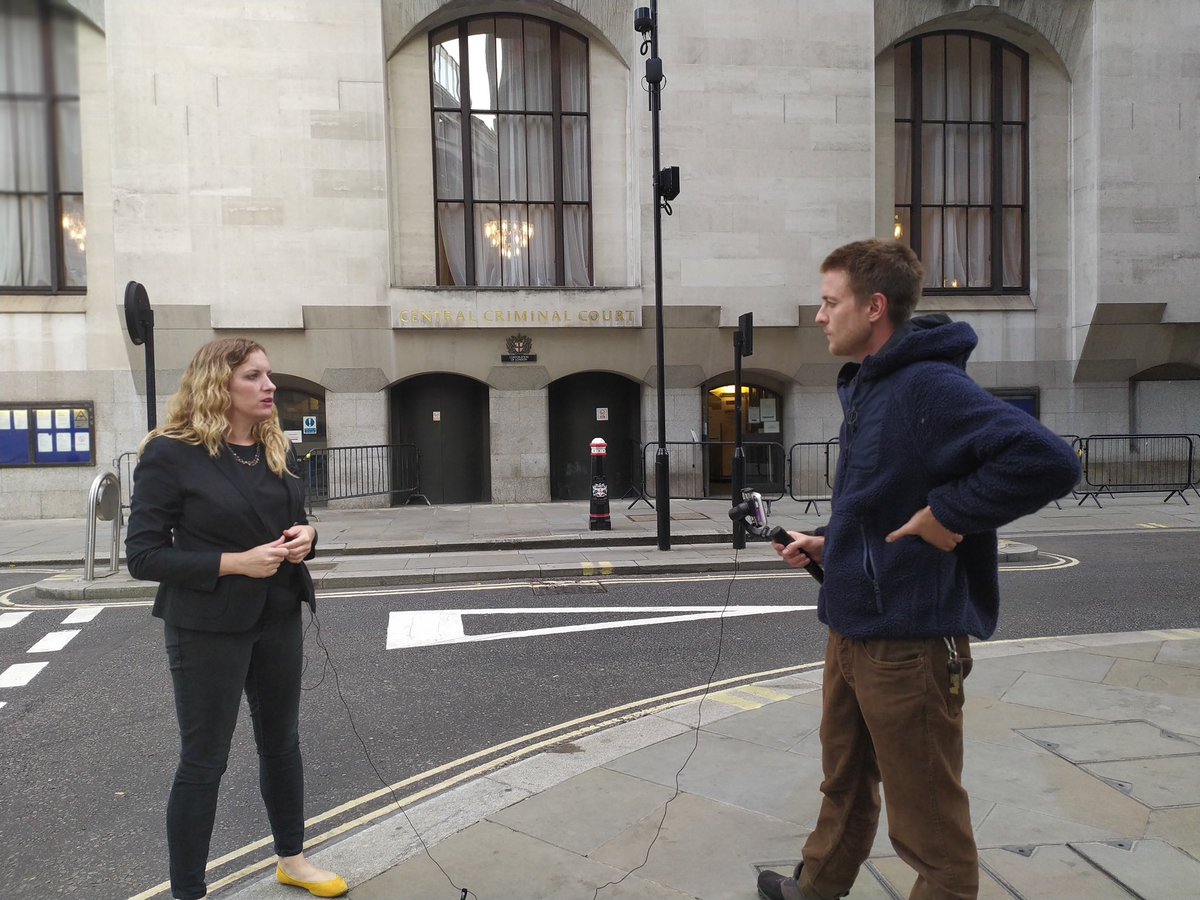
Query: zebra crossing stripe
{"x": 9, "y": 619}
{"x": 81, "y": 616}
{"x": 54, "y": 641}
{"x": 20, "y": 674}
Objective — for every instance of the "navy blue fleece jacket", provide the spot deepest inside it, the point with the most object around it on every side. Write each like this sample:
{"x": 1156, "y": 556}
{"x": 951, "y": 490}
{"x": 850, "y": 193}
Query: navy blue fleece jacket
{"x": 918, "y": 431}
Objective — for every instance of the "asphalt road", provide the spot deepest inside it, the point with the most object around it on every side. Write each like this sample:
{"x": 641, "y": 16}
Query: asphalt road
{"x": 88, "y": 746}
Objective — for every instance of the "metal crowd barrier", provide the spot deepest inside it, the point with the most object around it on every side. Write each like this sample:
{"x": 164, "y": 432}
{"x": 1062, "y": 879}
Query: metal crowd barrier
{"x": 692, "y": 463}
{"x": 1137, "y": 463}
{"x": 811, "y": 469}
{"x": 343, "y": 473}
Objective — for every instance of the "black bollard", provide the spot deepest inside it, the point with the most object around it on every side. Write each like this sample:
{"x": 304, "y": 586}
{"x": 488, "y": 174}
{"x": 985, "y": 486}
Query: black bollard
{"x": 599, "y": 520}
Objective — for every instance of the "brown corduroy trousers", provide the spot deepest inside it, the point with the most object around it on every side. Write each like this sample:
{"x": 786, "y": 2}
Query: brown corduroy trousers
{"x": 888, "y": 715}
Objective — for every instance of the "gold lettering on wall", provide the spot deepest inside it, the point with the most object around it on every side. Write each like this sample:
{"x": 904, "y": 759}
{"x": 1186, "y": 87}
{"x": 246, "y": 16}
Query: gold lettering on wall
{"x": 448, "y": 318}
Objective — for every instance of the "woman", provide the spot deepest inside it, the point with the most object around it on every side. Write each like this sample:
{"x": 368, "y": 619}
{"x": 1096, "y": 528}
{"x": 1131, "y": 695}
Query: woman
{"x": 218, "y": 519}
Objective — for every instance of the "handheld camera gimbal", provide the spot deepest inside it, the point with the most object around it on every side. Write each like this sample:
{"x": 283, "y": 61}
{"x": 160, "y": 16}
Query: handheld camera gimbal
{"x": 752, "y": 511}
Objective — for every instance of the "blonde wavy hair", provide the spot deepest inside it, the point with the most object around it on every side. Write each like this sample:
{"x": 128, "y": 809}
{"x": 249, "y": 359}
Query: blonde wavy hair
{"x": 198, "y": 414}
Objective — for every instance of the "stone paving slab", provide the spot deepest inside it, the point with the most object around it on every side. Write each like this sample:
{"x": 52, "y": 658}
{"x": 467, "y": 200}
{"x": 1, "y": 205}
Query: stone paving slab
{"x": 1111, "y": 741}
{"x": 1050, "y": 871}
{"x": 772, "y": 782}
{"x": 1176, "y": 714}
{"x": 614, "y": 803}
{"x": 1149, "y": 869}
{"x": 1158, "y": 783}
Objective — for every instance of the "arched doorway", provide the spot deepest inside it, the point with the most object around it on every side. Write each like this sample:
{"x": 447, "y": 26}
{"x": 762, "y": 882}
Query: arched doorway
{"x": 446, "y": 417}
{"x": 301, "y": 405}
{"x": 762, "y": 423}
{"x": 591, "y": 405}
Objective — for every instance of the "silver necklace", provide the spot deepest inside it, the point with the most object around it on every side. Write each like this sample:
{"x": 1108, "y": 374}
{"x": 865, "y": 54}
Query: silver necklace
{"x": 247, "y": 462}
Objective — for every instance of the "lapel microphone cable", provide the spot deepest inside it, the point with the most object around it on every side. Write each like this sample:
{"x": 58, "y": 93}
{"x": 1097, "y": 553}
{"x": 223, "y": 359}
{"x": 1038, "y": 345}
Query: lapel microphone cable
{"x": 753, "y": 512}
{"x": 463, "y": 892}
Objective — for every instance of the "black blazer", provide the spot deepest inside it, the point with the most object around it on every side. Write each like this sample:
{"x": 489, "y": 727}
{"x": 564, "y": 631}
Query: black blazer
{"x": 187, "y": 509}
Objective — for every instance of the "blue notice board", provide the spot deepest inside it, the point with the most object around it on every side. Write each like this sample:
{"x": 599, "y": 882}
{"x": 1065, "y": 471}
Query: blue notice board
{"x": 59, "y": 434}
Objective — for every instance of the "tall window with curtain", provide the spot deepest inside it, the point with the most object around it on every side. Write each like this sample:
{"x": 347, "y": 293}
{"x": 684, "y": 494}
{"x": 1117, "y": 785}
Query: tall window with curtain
{"x": 42, "y": 232}
{"x": 962, "y": 161}
{"x": 512, "y": 167}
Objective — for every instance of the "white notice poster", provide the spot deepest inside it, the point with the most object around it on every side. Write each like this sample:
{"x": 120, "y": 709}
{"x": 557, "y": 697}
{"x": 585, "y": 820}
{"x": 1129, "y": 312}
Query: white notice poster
{"x": 62, "y": 419}
{"x": 5, "y": 420}
{"x": 82, "y": 441}
{"x": 62, "y": 442}
{"x": 20, "y": 420}
{"x": 45, "y": 442}
{"x": 43, "y": 419}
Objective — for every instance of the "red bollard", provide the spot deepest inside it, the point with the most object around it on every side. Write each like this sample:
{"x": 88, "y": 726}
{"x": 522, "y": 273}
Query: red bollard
{"x": 599, "y": 519}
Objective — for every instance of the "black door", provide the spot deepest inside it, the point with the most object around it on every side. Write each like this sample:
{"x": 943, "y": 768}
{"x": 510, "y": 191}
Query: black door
{"x": 446, "y": 416}
{"x": 593, "y": 405}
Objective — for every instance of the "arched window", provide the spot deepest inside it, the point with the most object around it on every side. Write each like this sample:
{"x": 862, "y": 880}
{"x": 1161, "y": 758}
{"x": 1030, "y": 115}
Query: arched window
{"x": 42, "y": 234}
{"x": 962, "y": 161}
{"x": 512, "y": 167}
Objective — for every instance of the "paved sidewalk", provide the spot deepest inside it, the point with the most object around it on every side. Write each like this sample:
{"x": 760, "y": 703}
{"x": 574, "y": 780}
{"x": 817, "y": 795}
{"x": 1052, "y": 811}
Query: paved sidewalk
{"x": 1081, "y": 762}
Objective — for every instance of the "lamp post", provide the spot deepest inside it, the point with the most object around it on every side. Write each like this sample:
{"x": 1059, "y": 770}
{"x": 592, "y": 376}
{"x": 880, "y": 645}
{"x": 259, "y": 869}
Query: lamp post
{"x": 743, "y": 345}
{"x": 666, "y": 188}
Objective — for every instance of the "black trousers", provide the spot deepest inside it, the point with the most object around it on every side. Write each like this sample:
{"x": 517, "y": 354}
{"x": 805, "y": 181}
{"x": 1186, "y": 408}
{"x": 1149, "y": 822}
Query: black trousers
{"x": 210, "y": 671}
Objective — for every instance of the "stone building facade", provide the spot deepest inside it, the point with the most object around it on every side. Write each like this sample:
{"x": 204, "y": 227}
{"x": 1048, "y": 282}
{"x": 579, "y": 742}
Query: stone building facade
{"x": 394, "y": 197}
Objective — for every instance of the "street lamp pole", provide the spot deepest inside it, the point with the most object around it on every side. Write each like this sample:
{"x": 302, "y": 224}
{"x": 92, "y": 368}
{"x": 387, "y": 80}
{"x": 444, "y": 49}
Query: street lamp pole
{"x": 666, "y": 188}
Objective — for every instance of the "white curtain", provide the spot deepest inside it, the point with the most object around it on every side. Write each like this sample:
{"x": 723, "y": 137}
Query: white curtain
{"x": 979, "y": 240}
{"x": 537, "y": 67}
{"x": 1014, "y": 192}
{"x": 573, "y": 58}
{"x": 903, "y": 163}
{"x": 10, "y": 242}
{"x": 575, "y": 245}
{"x": 933, "y": 164}
{"x": 575, "y": 158}
{"x": 513, "y": 159}
{"x": 510, "y": 63}
{"x": 488, "y": 272}
{"x": 74, "y": 258}
{"x": 931, "y": 245}
{"x": 25, "y": 44}
{"x": 541, "y": 245}
{"x": 35, "y": 225}
{"x": 540, "y": 147}
{"x": 514, "y": 252}
{"x": 453, "y": 237}
{"x": 1014, "y": 262}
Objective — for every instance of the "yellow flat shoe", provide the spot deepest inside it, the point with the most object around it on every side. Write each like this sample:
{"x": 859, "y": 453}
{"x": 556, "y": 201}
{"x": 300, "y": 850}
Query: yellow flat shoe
{"x": 334, "y": 887}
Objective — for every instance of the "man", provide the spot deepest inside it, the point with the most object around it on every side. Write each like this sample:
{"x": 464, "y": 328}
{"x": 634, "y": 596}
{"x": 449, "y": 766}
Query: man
{"x": 931, "y": 465}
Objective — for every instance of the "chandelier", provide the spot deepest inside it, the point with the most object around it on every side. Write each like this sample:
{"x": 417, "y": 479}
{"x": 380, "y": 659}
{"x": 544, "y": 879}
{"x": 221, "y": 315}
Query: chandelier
{"x": 73, "y": 227}
{"x": 509, "y": 236}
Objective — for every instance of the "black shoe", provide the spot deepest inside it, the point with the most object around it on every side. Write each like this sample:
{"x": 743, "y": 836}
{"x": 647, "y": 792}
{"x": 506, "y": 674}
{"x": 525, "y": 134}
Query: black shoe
{"x": 773, "y": 886}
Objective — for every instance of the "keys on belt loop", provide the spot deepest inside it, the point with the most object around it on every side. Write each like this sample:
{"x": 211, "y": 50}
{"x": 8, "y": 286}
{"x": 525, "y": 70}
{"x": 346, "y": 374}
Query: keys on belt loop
{"x": 954, "y": 667}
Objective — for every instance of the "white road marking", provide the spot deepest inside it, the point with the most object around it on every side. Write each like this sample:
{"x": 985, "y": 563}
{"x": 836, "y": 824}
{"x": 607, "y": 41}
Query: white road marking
{"x": 8, "y": 620}
{"x": 80, "y": 616}
{"x": 429, "y": 627}
{"x": 2, "y": 704}
{"x": 55, "y": 640}
{"x": 20, "y": 674}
